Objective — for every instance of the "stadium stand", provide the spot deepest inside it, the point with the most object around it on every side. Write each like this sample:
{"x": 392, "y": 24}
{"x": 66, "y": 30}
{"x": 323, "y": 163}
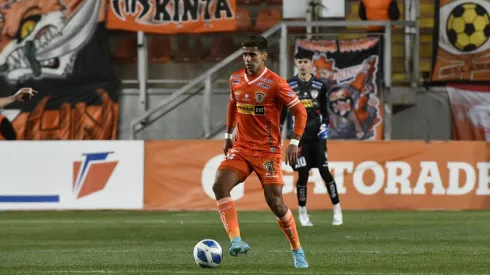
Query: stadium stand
{"x": 160, "y": 49}
{"x": 257, "y": 16}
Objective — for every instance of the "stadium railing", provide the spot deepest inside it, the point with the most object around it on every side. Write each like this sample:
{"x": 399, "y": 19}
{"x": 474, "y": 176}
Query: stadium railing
{"x": 203, "y": 83}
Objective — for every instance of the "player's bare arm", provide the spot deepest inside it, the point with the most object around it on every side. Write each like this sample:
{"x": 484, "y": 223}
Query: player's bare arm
{"x": 292, "y": 151}
{"x": 20, "y": 96}
{"x": 231, "y": 118}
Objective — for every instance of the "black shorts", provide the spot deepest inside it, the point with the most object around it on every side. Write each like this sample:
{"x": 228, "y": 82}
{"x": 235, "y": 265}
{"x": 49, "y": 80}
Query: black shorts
{"x": 312, "y": 154}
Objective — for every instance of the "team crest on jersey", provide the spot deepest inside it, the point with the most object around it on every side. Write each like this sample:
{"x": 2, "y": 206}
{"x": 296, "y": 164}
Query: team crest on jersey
{"x": 259, "y": 97}
{"x": 269, "y": 168}
{"x": 237, "y": 93}
{"x": 314, "y": 94}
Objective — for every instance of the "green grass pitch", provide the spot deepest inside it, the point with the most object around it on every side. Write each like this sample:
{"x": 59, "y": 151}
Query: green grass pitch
{"x": 120, "y": 242}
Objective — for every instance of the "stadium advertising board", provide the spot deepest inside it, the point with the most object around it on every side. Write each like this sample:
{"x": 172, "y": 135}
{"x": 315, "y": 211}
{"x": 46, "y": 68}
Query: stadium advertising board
{"x": 352, "y": 71}
{"x": 59, "y": 48}
{"x": 166, "y": 17}
{"x": 470, "y": 106}
{"x": 370, "y": 175}
{"x": 71, "y": 175}
{"x": 461, "y": 44}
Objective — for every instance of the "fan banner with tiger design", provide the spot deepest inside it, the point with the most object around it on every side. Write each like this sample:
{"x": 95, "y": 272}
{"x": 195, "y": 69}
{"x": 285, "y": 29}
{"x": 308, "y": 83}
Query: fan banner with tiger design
{"x": 59, "y": 48}
{"x": 351, "y": 69}
{"x": 461, "y": 41}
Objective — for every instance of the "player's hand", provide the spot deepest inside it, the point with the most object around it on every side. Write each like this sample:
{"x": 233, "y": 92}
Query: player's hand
{"x": 291, "y": 154}
{"x": 228, "y": 145}
{"x": 24, "y": 93}
{"x": 324, "y": 129}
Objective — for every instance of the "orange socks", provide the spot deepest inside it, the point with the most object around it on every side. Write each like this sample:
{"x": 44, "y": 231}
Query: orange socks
{"x": 229, "y": 216}
{"x": 288, "y": 225}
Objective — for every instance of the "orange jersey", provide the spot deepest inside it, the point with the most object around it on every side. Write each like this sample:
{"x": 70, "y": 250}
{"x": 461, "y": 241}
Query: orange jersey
{"x": 255, "y": 107}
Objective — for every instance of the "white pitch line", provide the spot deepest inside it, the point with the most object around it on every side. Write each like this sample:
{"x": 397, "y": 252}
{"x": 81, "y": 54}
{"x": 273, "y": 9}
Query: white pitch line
{"x": 218, "y": 271}
{"x": 153, "y": 250}
{"x": 60, "y": 221}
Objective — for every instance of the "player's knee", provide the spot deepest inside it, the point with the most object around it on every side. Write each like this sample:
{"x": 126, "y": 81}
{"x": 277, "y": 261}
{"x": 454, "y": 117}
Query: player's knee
{"x": 278, "y": 208}
{"x": 220, "y": 188}
{"x": 217, "y": 188}
{"x": 325, "y": 173}
{"x": 225, "y": 181}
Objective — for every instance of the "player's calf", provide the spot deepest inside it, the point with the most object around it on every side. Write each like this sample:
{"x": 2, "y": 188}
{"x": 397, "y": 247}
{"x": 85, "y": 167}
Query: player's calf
{"x": 225, "y": 181}
{"x": 334, "y": 195}
{"x": 285, "y": 219}
{"x": 301, "y": 192}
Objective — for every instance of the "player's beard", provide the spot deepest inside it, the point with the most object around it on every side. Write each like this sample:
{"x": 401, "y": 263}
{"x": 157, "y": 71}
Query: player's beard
{"x": 254, "y": 68}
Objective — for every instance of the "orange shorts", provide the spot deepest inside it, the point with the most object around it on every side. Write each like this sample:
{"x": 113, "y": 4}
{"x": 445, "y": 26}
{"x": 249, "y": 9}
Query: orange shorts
{"x": 268, "y": 169}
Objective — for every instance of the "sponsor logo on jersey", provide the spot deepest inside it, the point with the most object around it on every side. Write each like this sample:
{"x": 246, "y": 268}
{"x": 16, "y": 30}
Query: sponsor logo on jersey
{"x": 307, "y": 103}
{"x": 293, "y": 84}
{"x": 235, "y": 82}
{"x": 246, "y": 98}
{"x": 250, "y": 109}
{"x": 266, "y": 80}
{"x": 265, "y": 86}
{"x": 317, "y": 82}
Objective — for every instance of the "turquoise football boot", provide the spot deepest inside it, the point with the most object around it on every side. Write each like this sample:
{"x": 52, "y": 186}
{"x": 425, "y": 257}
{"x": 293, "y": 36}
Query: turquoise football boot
{"x": 237, "y": 246}
{"x": 299, "y": 258}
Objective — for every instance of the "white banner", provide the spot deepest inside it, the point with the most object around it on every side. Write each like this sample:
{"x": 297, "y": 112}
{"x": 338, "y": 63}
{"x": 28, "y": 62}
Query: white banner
{"x": 71, "y": 175}
{"x": 470, "y": 105}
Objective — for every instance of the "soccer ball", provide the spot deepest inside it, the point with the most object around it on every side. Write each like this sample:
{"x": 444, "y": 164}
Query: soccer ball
{"x": 208, "y": 253}
{"x": 468, "y": 26}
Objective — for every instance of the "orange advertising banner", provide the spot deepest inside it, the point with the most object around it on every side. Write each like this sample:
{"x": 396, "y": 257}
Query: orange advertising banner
{"x": 179, "y": 175}
{"x": 167, "y": 18}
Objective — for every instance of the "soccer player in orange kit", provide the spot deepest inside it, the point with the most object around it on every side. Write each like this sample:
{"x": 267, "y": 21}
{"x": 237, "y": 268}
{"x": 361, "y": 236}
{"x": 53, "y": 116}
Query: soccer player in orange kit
{"x": 255, "y": 105}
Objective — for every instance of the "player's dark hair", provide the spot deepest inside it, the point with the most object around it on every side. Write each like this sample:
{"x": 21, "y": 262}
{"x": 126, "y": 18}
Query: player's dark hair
{"x": 304, "y": 54}
{"x": 256, "y": 41}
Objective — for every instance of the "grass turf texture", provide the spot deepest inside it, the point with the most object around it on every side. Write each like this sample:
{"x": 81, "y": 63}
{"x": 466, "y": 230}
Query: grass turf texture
{"x": 118, "y": 242}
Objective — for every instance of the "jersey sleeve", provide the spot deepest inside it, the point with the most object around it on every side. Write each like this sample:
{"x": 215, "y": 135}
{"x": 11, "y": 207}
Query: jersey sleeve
{"x": 287, "y": 97}
{"x": 231, "y": 115}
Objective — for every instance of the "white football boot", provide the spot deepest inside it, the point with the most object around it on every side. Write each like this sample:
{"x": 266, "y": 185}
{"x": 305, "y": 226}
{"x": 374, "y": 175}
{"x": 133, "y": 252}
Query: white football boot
{"x": 303, "y": 217}
{"x": 337, "y": 215}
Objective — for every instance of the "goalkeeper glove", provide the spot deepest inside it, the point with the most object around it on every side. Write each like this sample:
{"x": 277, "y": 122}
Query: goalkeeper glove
{"x": 324, "y": 129}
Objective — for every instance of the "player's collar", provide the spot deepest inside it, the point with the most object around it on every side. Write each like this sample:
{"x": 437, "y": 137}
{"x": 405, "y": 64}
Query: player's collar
{"x": 255, "y": 79}
{"x": 305, "y": 82}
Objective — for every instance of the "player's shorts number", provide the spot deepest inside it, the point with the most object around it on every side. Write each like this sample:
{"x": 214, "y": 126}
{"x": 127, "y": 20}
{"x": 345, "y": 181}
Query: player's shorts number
{"x": 300, "y": 162}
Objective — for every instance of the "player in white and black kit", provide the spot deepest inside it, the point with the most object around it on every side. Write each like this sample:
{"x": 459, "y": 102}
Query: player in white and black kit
{"x": 312, "y": 93}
